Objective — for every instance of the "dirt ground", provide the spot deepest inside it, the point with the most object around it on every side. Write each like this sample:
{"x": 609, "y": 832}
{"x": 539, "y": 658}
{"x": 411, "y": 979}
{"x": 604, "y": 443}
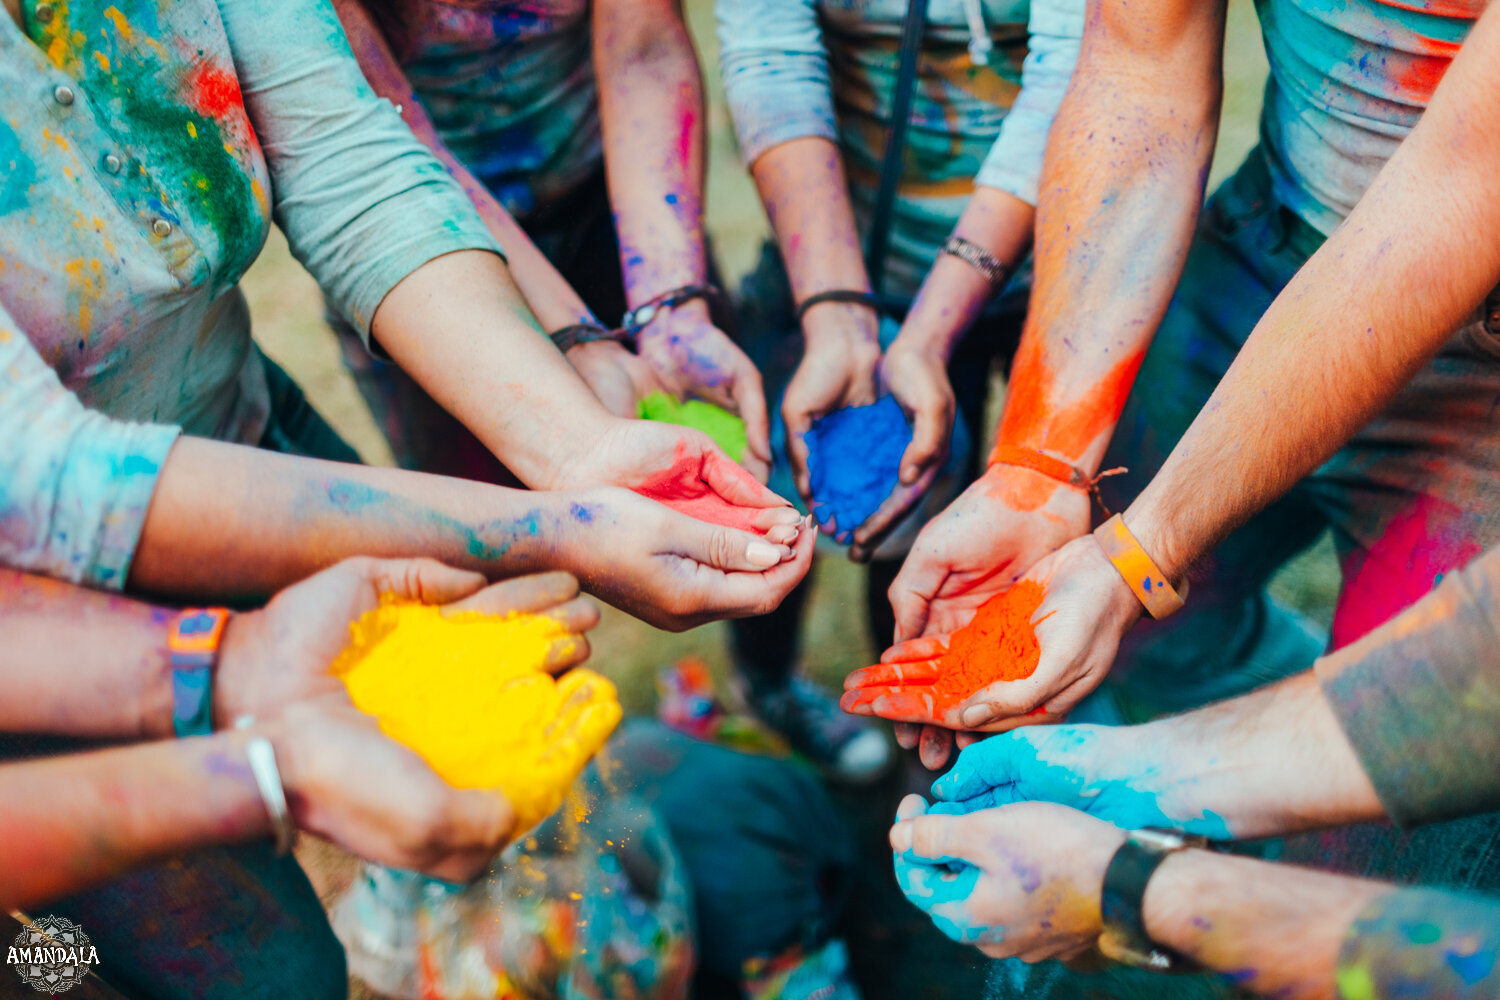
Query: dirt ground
{"x": 894, "y": 948}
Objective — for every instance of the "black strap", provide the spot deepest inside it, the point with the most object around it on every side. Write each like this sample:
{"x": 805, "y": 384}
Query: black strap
{"x": 890, "y": 166}
{"x": 837, "y": 295}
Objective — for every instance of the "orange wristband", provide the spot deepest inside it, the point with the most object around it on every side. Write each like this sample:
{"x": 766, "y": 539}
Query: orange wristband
{"x": 1144, "y": 578}
{"x": 1053, "y": 468}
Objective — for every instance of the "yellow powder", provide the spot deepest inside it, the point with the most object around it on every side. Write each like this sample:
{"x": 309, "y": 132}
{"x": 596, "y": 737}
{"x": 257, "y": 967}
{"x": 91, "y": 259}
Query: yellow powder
{"x": 470, "y": 694}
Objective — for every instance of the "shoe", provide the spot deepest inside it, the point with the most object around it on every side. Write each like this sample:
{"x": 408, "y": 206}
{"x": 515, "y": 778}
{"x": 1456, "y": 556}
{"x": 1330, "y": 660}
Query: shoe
{"x": 821, "y": 975}
{"x": 849, "y": 748}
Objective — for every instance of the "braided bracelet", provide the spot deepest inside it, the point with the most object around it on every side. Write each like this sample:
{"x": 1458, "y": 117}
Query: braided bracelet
{"x": 570, "y": 337}
{"x": 1054, "y": 468}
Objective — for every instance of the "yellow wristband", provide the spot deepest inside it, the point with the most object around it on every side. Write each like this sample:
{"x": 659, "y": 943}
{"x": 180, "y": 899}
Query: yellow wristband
{"x": 1140, "y": 573}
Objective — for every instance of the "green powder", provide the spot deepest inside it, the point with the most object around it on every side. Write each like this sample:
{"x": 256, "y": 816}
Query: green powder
{"x": 727, "y": 430}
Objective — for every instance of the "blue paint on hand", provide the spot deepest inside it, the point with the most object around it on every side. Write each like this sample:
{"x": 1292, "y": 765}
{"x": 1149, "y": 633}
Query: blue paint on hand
{"x": 854, "y": 462}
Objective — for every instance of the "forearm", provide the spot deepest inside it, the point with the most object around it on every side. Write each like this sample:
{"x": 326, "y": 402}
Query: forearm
{"x": 652, "y": 115}
{"x": 458, "y": 326}
{"x": 83, "y": 663}
{"x": 1357, "y": 322}
{"x": 1120, "y": 191}
{"x": 70, "y": 822}
{"x": 954, "y": 292}
{"x": 1275, "y": 929}
{"x": 234, "y": 523}
{"x": 551, "y": 298}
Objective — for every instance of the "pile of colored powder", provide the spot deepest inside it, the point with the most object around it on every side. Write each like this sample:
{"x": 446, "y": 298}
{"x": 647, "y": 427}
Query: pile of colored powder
{"x": 683, "y": 488}
{"x": 727, "y": 430}
{"x": 469, "y": 693}
{"x": 854, "y": 461}
{"x": 998, "y": 645}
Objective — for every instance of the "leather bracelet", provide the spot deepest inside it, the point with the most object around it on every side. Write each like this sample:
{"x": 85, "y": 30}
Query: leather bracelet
{"x": 570, "y": 337}
{"x": 1054, "y": 468}
{"x": 980, "y": 259}
{"x": 1140, "y": 573}
{"x": 193, "y": 648}
{"x": 644, "y": 313}
{"x": 847, "y": 295}
{"x": 1123, "y": 895}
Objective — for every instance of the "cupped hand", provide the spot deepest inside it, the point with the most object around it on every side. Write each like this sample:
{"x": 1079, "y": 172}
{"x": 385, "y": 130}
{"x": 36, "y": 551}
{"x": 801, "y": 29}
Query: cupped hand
{"x": 1022, "y": 881}
{"x": 617, "y": 377}
{"x": 349, "y": 783}
{"x": 918, "y": 379}
{"x": 838, "y": 369}
{"x": 694, "y": 359}
{"x": 1131, "y": 776}
{"x": 675, "y": 571}
{"x": 279, "y": 655}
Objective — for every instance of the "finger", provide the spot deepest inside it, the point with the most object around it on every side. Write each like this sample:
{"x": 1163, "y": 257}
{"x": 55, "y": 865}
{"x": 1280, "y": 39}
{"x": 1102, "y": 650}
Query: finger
{"x": 747, "y": 594}
{"x": 767, "y": 518}
{"x": 731, "y": 481}
{"x": 893, "y": 674}
{"x": 929, "y": 443}
{"x": 783, "y": 534}
{"x": 907, "y": 734}
{"x": 945, "y": 839}
{"x": 869, "y": 535}
{"x": 1004, "y": 700}
{"x": 912, "y": 591}
{"x": 422, "y": 579}
{"x": 797, "y": 426}
{"x": 927, "y": 647}
{"x": 965, "y": 739}
{"x": 901, "y": 704}
{"x": 936, "y": 747}
{"x": 565, "y": 653}
{"x": 980, "y": 769}
{"x": 750, "y": 400}
{"x": 475, "y": 825}
{"x": 910, "y": 807}
{"x": 526, "y": 594}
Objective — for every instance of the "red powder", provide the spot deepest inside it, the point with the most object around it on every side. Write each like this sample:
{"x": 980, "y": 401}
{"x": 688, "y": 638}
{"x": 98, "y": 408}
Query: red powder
{"x": 998, "y": 645}
{"x": 683, "y": 488}
{"x": 215, "y": 90}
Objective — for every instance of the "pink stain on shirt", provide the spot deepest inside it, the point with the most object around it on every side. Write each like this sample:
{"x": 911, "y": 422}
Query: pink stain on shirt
{"x": 1410, "y": 558}
{"x": 215, "y": 91}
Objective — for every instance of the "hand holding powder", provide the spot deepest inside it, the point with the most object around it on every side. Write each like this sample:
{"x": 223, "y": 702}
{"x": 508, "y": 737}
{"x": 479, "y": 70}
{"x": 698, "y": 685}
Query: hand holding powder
{"x": 469, "y": 693}
{"x": 727, "y": 430}
{"x": 854, "y": 462}
{"x": 1000, "y": 644}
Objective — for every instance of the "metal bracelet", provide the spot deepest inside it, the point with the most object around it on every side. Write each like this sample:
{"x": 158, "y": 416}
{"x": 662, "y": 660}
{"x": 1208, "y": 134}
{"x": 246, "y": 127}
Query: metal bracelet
{"x": 977, "y": 257}
{"x": 262, "y": 759}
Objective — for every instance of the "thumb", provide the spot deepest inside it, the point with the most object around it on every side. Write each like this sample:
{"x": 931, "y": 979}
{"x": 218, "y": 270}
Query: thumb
{"x": 912, "y": 592}
{"x": 750, "y": 399}
{"x": 929, "y": 442}
{"x": 728, "y": 549}
{"x": 421, "y": 579}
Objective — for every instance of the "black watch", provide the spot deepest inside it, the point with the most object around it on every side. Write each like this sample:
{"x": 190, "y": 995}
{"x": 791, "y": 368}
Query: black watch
{"x": 1121, "y": 902}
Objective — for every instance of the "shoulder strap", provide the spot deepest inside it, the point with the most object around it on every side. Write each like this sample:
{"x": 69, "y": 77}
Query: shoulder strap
{"x": 890, "y": 166}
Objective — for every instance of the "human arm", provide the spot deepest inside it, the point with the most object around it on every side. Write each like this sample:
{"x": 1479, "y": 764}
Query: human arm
{"x": 76, "y": 820}
{"x": 109, "y": 673}
{"x": 652, "y": 116}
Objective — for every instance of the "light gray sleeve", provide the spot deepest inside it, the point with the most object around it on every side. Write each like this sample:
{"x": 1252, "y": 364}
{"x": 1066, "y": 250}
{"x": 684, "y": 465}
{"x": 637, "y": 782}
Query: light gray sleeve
{"x": 74, "y": 485}
{"x": 775, "y": 73}
{"x": 1014, "y": 163}
{"x": 362, "y": 202}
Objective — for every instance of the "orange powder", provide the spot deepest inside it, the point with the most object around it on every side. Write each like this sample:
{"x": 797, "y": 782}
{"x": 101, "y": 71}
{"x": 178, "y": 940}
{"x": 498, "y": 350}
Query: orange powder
{"x": 998, "y": 645}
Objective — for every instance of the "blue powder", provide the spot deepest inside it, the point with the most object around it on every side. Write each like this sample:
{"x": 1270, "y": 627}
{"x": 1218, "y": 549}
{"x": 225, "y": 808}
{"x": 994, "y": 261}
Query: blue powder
{"x": 854, "y": 461}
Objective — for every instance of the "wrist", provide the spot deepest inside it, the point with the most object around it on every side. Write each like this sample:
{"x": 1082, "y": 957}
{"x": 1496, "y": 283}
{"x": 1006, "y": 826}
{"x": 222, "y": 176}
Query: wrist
{"x": 842, "y": 326}
{"x": 240, "y": 649}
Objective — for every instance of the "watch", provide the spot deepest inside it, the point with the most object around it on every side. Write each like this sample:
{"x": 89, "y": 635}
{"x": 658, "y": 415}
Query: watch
{"x": 193, "y": 646}
{"x": 1121, "y": 902}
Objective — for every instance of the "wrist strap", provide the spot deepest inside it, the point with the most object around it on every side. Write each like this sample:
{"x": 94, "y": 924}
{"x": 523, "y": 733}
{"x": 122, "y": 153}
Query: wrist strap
{"x": 848, "y": 295}
{"x": 193, "y": 647}
{"x": 1144, "y": 578}
{"x": 570, "y": 337}
{"x": 644, "y": 313}
{"x": 979, "y": 259}
{"x": 262, "y": 757}
{"x": 1054, "y": 468}
{"x": 1123, "y": 895}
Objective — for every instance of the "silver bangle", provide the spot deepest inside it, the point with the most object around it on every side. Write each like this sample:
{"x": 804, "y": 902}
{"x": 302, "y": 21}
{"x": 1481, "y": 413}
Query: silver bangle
{"x": 979, "y": 258}
{"x": 268, "y": 779}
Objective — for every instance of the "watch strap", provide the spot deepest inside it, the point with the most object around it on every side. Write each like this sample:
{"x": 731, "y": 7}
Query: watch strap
{"x": 193, "y": 641}
{"x": 1122, "y": 899}
{"x": 977, "y": 257}
{"x": 644, "y": 313}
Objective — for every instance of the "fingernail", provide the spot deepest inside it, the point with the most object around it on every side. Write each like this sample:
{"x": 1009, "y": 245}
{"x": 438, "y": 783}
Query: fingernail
{"x": 762, "y": 554}
{"x": 975, "y": 715}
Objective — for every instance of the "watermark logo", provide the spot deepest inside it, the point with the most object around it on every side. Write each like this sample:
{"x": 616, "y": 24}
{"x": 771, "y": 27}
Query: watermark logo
{"x": 52, "y": 955}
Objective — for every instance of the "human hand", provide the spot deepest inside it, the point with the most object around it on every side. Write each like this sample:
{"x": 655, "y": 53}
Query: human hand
{"x": 1131, "y": 776}
{"x": 1023, "y": 881}
{"x": 918, "y": 378}
{"x": 694, "y": 359}
{"x": 280, "y": 655}
{"x": 838, "y": 369}
{"x": 349, "y": 783}
{"x": 675, "y": 571}
{"x": 617, "y": 377}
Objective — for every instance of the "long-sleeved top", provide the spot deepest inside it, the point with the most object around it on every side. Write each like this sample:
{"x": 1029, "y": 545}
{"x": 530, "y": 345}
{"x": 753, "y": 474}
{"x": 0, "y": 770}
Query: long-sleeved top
{"x": 143, "y": 148}
{"x": 820, "y": 68}
{"x": 1349, "y": 79}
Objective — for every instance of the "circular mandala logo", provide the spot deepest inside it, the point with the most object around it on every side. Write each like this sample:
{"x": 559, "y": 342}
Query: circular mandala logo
{"x": 52, "y": 955}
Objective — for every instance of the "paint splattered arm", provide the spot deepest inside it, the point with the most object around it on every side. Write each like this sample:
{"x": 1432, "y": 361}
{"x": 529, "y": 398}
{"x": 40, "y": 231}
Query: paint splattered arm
{"x": 652, "y": 114}
{"x": 615, "y": 375}
{"x": 1363, "y": 315}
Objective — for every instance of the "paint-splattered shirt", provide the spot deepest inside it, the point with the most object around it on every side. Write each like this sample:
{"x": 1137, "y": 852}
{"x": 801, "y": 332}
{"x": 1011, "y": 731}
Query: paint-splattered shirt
{"x": 1422, "y": 943}
{"x": 509, "y": 87}
{"x": 143, "y": 145}
{"x": 827, "y": 68}
{"x": 1349, "y": 79}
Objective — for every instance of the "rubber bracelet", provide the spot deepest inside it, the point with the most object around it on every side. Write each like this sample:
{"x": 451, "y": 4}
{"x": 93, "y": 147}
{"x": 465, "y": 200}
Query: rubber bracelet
{"x": 1144, "y": 578}
{"x": 1054, "y": 468}
{"x": 847, "y": 295}
{"x": 570, "y": 337}
{"x": 193, "y": 648}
